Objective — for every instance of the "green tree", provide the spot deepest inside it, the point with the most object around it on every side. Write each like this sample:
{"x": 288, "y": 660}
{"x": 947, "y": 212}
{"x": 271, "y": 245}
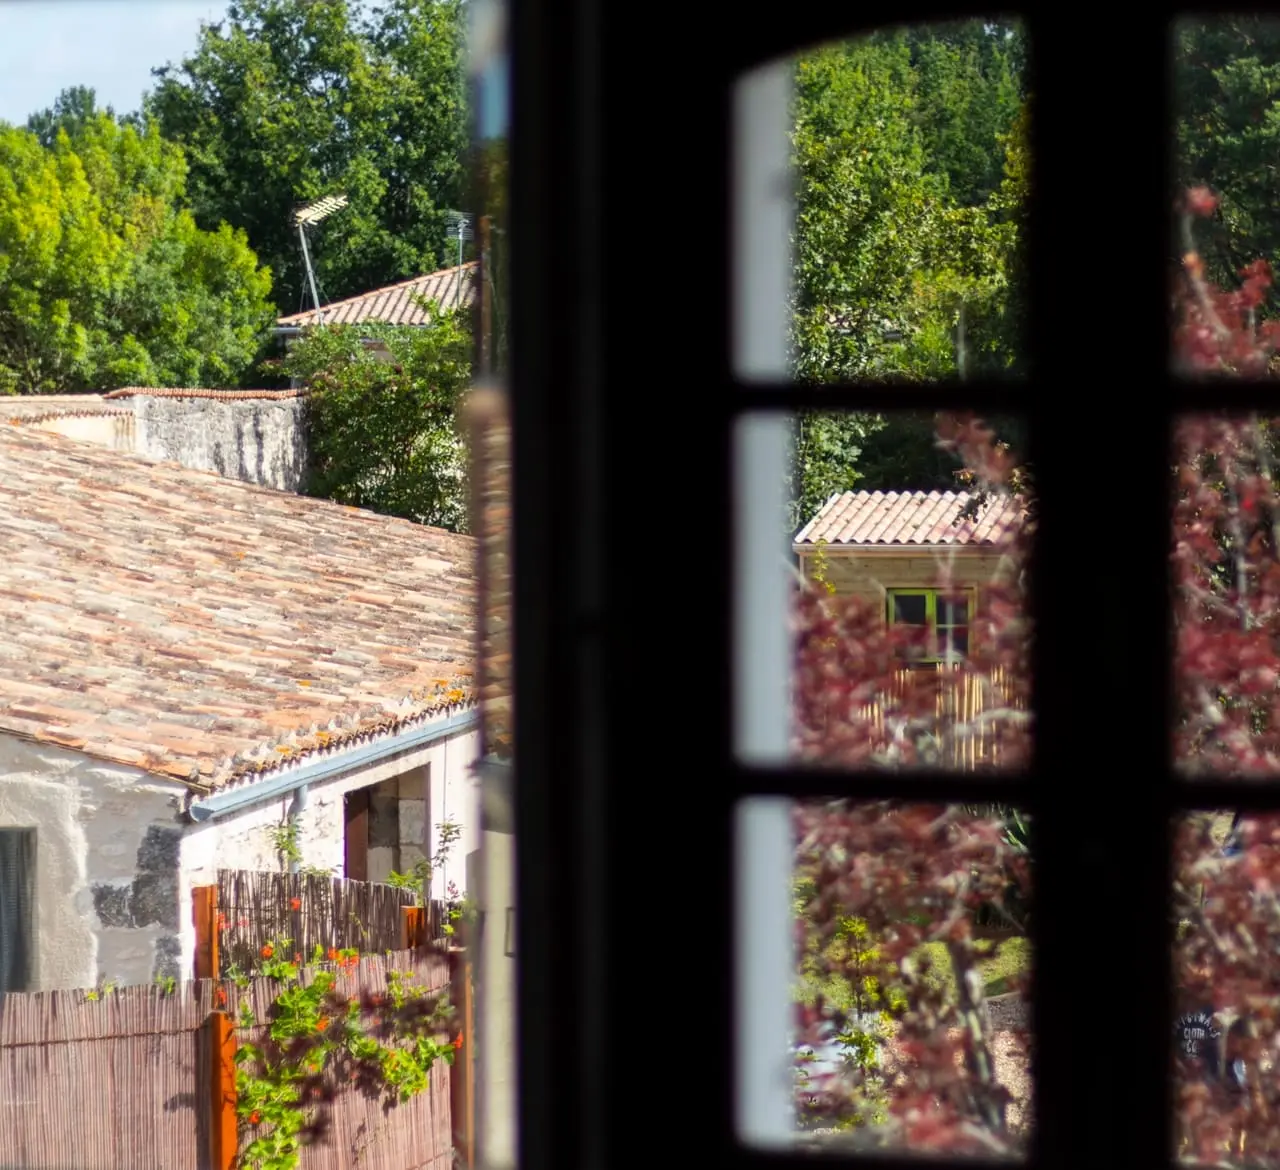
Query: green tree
{"x": 59, "y": 266}
{"x": 910, "y": 151}
{"x": 105, "y": 280}
{"x": 383, "y": 423}
{"x": 71, "y": 110}
{"x": 1227, "y": 112}
{"x": 285, "y": 101}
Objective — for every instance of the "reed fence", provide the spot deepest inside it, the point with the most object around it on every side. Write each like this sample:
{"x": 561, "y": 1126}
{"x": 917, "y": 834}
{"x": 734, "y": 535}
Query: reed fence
{"x": 310, "y": 910}
{"x": 143, "y": 1077}
{"x": 967, "y": 735}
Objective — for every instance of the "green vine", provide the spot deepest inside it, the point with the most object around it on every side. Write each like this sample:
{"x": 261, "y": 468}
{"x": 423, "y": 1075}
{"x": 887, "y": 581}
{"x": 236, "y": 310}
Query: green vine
{"x": 819, "y": 567}
{"x": 418, "y": 879}
{"x": 318, "y": 1039}
{"x": 285, "y": 840}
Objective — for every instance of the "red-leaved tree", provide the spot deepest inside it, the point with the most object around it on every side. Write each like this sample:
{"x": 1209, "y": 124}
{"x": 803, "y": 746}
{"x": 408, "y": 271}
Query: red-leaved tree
{"x": 918, "y": 874}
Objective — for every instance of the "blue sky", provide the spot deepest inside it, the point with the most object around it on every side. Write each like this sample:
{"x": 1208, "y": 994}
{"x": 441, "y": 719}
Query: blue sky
{"x": 111, "y": 45}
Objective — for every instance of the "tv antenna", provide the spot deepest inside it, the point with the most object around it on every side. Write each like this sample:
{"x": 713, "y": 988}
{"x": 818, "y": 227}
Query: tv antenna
{"x": 313, "y": 213}
{"x": 458, "y": 224}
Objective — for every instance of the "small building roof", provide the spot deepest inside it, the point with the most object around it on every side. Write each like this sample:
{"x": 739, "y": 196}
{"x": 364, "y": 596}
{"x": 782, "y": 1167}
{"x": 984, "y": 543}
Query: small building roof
{"x": 396, "y": 304}
{"x": 907, "y": 519}
{"x": 210, "y": 630}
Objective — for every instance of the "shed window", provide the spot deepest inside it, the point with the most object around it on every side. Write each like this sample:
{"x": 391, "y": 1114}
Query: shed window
{"x": 942, "y": 616}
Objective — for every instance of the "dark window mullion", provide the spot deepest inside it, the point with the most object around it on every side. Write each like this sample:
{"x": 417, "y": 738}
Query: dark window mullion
{"x": 1099, "y": 448}
{"x": 929, "y": 785}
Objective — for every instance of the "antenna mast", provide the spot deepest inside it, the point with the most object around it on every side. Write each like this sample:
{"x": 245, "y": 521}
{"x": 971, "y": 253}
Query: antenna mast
{"x": 310, "y": 214}
{"x": 458, "y": 223}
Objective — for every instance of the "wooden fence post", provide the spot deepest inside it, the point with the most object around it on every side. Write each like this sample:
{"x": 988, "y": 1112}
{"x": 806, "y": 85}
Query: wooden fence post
{"x": 223, "y": 1129}
{"x": 462, "y": 1087}
{"x": 412, "y": 927}
{"x": 204, "y": 912}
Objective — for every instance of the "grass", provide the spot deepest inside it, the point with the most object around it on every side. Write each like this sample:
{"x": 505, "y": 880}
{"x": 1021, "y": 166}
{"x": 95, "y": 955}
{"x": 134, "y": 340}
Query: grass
{"x": 999, "y": 964}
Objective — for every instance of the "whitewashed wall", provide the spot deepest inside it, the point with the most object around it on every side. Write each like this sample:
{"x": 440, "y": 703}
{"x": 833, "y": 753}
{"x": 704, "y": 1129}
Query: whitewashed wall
{"x": 243, "y": 841}
{"x": 116, "y": 859}
{"x": 107, "y": 848}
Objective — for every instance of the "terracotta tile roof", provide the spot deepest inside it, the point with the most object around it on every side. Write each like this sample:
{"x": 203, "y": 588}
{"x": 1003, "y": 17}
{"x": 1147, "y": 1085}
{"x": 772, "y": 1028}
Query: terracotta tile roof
{"x": 207, "y": 629}
{"x": 395, "y": 304}
{"x": 201, "y": 392}
{"x": 33, "y": 408}
{"x": 909, "y": 518}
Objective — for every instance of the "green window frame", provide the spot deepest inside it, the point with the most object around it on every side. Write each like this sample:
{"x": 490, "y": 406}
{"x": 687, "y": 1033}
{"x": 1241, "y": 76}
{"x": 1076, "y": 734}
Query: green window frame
{"x": 931, "y": 599}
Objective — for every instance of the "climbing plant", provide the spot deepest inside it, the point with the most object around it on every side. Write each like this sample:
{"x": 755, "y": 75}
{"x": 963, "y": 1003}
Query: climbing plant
{"x": 318, "y": 1039}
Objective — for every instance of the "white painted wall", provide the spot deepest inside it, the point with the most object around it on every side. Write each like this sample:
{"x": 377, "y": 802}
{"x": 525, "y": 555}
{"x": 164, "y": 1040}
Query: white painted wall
{"x": 116, "y": 859}
{"x": 107, "y": 841}
{"x": 242, "y": 841}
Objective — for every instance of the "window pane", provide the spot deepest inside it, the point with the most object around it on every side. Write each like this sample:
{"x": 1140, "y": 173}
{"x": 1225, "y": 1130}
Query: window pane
{"x": 908, "y": 152}
{"x": 910, "y": 610}
{"x": 1226, "y": 600}
{"x": 926, "y": 522}
{"x": 1226, "y": 1033}
{"x": 1226, "y": 84}
{"x": 895, "y": 969}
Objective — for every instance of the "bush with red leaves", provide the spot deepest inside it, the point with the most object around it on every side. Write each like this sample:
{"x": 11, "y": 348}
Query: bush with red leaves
{"x": 917, "y": 874}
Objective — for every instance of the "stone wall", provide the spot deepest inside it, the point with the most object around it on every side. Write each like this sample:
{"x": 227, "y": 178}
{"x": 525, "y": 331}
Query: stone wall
{"x": 259, "y": 440}
{"x": 107, "y": 846}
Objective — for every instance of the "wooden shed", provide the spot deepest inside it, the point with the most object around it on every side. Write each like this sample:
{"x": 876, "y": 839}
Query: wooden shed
{"x": 918, "y": 555}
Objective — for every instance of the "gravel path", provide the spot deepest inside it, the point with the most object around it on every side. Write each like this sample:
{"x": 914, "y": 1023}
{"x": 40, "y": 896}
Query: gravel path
{"x": 1009, "y": 1051}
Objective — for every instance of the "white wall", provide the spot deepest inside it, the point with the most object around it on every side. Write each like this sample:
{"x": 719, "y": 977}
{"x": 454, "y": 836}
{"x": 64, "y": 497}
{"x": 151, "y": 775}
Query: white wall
{"x": 242, "y": 840}
{"x": 116, "y": 858}
{"x": 107, "y": 845}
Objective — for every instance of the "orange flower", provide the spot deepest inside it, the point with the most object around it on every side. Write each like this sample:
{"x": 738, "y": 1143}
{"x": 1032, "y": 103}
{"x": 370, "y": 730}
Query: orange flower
{"x": 457, "y": 1044}
{"x": 295, "y": 903}
{"x": 222, "y": 995}
{"x": 255, "y": 1117}
{"x": 322, "y": 1023}
{"x": 268, "y": 951}
{"x": 333, "y": 954}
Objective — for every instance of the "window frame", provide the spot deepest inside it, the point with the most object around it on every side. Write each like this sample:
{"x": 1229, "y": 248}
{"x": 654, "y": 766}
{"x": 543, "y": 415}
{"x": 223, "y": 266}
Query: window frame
{"x": 932, "y": 596}
{"x": 602, "y": 603}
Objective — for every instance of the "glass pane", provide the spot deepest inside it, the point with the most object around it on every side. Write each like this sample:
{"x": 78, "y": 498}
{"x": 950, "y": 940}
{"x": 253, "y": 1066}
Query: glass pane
{"x": 1226, "y": 580}
{"x": 911, "y": 610}
{"x": 908, "y": 153}
{"x": 1226, "y": 81}
{"x": 928, "y": 520}
{"x": 909, "y": 1020}
{"x": 1226, "y": 1031}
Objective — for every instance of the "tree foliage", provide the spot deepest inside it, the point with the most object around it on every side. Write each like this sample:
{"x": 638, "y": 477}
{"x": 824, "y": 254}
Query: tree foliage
{"x": 918, "y": 874}
{"x": 383, "y": 431}
{"x": 284, "y": 101}
{"x": 910, "y": 152}
{"x": 1227, "y": 117}
{"x": 105, "y": 279}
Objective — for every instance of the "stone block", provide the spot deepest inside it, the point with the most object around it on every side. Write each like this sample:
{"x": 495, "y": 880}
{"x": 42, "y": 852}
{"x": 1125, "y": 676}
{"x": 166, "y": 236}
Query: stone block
{"x": 111, "y": 904}
{"x": 159, "y": 849}
{"x": 153, "y": 900}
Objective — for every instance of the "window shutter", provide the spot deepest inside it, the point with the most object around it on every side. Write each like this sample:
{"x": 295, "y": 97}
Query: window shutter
{"x": 17, "y": 908}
